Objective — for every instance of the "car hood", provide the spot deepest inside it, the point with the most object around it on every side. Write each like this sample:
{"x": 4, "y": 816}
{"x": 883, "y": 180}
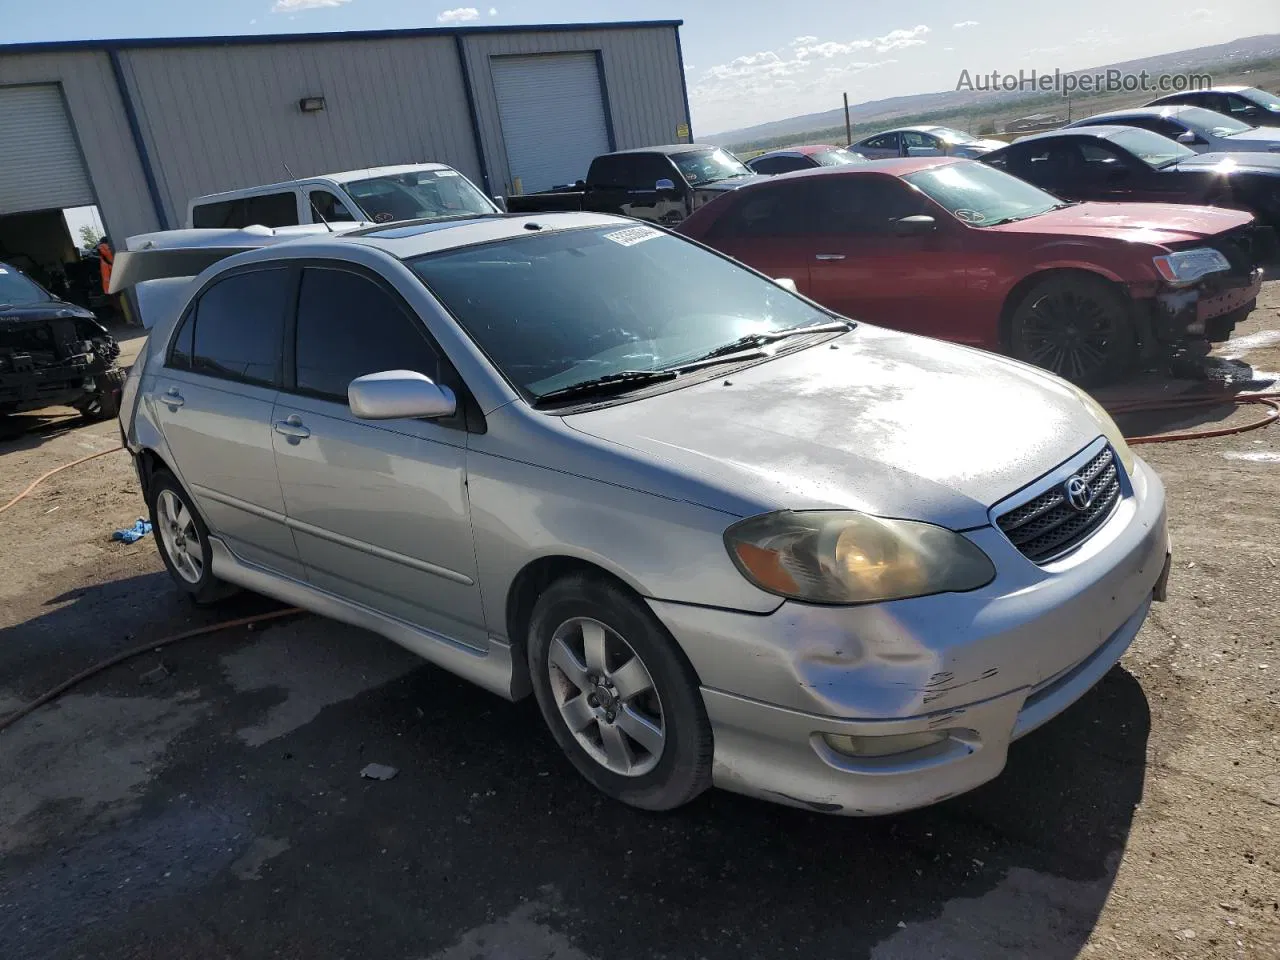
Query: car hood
{"x": 1155, "y": 223}
{"x": 724, "y": 186}
{"x": 1261, "y": 134}
{"x": 22, "y": 314}
{"x": 887, "y": 423}
{"x": 1229, "y": 163}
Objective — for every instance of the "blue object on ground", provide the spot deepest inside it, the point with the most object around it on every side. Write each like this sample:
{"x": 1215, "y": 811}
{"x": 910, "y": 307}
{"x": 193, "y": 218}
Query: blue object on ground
{"x": 135, "y": 533}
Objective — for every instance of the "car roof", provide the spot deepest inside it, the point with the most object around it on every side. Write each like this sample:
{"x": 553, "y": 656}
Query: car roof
{"x": 1164, "y": 110}
{"x": 668, "y": 148}
{"x": 892, "y": 166}
{"x": 1100, "y": 131}
{"x": 345, "y": 176}
{"x": 803, "y": 150}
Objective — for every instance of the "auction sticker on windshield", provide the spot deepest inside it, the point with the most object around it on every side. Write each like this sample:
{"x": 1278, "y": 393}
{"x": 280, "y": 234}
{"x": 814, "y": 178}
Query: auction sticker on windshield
{"x": 632, "y": 235}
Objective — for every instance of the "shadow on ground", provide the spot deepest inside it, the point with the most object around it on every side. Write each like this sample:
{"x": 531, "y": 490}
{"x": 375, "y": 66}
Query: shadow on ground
{"x": 488, "y": 845}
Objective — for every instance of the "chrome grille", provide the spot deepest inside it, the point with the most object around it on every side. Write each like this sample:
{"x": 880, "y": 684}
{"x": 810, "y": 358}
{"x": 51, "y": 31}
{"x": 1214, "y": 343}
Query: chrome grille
{"x": 1049, "y": 525}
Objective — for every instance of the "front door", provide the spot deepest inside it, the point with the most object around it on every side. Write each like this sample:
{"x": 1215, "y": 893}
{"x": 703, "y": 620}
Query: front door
{"x": 214, "y": 401}
{"x": 379, "y": 509}
{"x": 862, "y": 269}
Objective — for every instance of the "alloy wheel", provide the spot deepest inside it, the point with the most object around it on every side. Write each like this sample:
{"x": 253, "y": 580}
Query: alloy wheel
{"x": 1069, "y": 333}
{"x": 180, "y": 537}
{"x": 606, "y": 697}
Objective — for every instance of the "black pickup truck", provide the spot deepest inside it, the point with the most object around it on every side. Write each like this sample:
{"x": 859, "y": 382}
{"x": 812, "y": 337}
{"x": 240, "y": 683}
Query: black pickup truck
{"x": 661, "y": 184}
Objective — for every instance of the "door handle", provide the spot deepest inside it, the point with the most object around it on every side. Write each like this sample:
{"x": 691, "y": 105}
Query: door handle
{"x": 292, "y": 428}
{"x": 172, "y": 398}
{"x": 829, "y": 256}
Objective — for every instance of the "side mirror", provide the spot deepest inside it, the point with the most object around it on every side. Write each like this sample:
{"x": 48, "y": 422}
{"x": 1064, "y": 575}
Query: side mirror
{"x": 399, "y": 394}
{"x": 916, "y": 226}
{"x": 786, "y": 283}
{"x": 1187, "y": 137}
{"x": 501, "y": 204}
{"x": 665, "y": 186}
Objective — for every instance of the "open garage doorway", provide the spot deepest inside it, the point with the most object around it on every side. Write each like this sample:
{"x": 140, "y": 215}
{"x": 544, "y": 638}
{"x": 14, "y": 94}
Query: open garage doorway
{"x": 56, "y": 248}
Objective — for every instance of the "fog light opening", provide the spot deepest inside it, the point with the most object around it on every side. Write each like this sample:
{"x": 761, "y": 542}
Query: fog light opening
{"x": 888, "y": 746}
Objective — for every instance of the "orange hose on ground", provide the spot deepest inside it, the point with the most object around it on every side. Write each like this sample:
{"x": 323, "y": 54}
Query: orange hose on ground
{"x": 1271, "y": 400}
{"x": 45, "y": 476}
{"x": 137, "y": 651}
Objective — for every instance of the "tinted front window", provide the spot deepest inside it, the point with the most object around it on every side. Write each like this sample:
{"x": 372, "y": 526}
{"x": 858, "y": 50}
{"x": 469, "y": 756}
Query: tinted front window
{"x": 980, "y": 196}
{"x": 348, "y": 327}
{"x": 862, "y": 205}
{"x": 239, "y": 327}
{"x": 650, "y": 168}
{"x": 710, "y": 166}
{"x": 1151, "y": 148}
{"x": 616, "y": 171}
{"x": 419, "y": 195}
{"x": 17, "y": 288}
{"x": 1268, "y": 100}
{"x": 329, "y": 207}
{"x": 556, "y": 309}
{"x": 888, "y": 141}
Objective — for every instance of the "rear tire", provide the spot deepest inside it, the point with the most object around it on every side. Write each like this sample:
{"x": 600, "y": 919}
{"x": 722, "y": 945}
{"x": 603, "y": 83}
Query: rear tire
{"x": 104, "y": 402}
{"x": 602, "y": 662}
{"x": 1079, "y": 327}
{"x": 183, "y": 541}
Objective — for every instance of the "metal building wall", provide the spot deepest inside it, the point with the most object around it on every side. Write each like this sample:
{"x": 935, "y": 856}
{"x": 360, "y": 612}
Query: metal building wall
{"x": 102, "y": 128}
{"x": 221, "y": 117}
{"x": 644, "y": 84}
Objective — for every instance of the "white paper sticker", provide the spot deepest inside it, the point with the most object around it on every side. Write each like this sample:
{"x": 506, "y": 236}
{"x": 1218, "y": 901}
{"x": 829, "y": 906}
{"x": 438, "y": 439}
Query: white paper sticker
{"x": 632, "y": 235}
{"x": 446, "y": 173}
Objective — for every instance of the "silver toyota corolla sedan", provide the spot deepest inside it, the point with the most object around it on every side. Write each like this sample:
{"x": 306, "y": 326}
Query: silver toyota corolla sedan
{"x": 723, "y": 536}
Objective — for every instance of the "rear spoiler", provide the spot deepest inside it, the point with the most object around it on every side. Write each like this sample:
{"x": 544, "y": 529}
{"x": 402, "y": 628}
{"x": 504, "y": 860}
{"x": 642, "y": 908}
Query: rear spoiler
{"x": 171, "y": 254}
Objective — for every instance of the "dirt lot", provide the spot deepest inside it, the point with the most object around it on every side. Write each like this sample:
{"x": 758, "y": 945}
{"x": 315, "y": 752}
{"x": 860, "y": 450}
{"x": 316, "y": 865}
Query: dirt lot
{"x": 219, "y": 812}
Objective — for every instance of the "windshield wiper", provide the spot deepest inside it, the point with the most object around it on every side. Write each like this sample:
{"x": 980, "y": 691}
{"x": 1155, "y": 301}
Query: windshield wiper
{"x": 609, "y": 384}
{"x": 754, "y": 340}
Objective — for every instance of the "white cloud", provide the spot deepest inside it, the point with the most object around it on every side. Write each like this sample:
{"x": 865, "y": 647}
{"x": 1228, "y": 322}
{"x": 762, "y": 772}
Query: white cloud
{"x": 803, "y": 41}
{"x": 493, "y": 11}
{"x": 963, "y": 24}
{"x": 293, "y": 6}
{"x": 897, "y": 39}
{"x": 893, "y": 40}
{"x": 458, "y": 15}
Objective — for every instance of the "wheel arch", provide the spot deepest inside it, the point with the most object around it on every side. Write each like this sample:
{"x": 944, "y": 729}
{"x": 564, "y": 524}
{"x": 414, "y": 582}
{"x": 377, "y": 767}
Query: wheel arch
{"x": 1020, "y": 289}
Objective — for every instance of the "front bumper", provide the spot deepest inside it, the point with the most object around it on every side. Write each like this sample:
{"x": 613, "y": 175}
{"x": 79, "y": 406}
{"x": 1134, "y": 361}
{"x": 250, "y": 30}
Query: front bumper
{"x": 1203, "y": 311}
{"x": 986, "y": 666}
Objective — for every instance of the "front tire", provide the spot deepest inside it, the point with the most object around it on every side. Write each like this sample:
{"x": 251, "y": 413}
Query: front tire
{"x": 183, "y": 541}
{"x": 1079, "y": 327}
{"x": 618, "y": 694}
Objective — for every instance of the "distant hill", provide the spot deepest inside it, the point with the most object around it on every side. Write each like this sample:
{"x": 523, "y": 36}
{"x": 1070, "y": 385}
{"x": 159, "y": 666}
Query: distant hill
{"x": 1244, "y": 49}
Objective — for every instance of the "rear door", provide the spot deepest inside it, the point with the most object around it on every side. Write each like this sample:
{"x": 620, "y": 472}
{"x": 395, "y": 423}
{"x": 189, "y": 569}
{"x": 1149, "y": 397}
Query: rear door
{"x": 213, "y": 401}
{"x": 768, "y": 227}
{"x": 379, "y": 509}
{"x": 862, "y": 269}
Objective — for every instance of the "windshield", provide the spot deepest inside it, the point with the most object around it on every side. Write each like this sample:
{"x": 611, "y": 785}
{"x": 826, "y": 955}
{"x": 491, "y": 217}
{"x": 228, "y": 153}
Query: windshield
{"x": 17, "y": 288}
{"x": 982, "y": 196}
{"x": 1268, "y": 100}
{"x": 558, "y": 309}
{"x": 419, "y": 195}
{"x": 952, "y": 136}
{"x": 699, "y": 168}
{"x": 1218, "y": 124}
{"x": 1151, "y": 148}
{"x": 837, "y": 158}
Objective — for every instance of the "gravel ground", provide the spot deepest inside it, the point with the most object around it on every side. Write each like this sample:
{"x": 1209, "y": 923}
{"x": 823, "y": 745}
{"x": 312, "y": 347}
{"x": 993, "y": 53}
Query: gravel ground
{"x": 217, "y": 810}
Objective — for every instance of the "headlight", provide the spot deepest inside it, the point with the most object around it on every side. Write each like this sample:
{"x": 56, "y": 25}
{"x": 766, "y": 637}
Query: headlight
{"x": 840, "y": 556}
{"x": 1109, "y": 429}
{"x": 1188, "y": 266}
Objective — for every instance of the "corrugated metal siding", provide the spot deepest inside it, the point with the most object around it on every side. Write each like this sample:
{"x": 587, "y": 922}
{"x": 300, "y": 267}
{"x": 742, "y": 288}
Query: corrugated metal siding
{"x": 643, "y": 78}
{"x": 98, "y": 117}
{"x": 220, "y": 118}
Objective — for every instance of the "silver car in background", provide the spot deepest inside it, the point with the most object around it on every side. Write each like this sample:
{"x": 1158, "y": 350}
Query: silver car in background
{"x": 722, "y": 535}
{"x": 927, "y": 141}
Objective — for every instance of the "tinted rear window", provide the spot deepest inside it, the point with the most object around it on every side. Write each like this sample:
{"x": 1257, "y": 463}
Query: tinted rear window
{"x": 267, "y": 210}
{"x": 240, "y": 327}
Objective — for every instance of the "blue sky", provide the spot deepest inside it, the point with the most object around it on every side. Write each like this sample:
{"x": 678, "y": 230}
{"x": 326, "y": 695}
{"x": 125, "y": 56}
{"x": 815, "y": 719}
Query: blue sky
{"x": 746, "y": 63}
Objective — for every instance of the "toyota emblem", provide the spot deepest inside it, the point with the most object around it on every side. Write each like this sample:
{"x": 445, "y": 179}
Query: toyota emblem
{"x": 1079, "y": 493}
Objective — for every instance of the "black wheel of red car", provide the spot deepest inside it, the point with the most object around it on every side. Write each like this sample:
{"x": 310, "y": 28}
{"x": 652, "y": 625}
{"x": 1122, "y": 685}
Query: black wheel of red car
{"x": 1079, "y": 327}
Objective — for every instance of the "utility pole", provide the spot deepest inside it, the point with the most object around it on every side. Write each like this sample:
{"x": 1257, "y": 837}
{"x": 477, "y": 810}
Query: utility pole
{"x": 848, "y": 127}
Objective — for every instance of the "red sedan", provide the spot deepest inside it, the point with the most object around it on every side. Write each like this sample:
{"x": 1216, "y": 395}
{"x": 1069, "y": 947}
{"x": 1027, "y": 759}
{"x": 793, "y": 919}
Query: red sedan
{"x": 957, "y": 250}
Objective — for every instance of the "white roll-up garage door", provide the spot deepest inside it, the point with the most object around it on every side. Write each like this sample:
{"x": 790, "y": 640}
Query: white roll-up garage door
{"x": 40, "y": 164}
{"x": 553, "y": 117}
